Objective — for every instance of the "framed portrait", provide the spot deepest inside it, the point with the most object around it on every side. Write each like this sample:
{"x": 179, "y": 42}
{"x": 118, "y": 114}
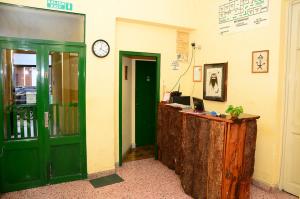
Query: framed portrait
{"x": 215, "y": 82}
{"x": 260, "y": 61}
{"x": 197, "y": 74}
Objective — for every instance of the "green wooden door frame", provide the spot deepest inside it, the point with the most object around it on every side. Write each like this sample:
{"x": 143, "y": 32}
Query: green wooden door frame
{"x": 157, "y": 93}
{"x": 42, "y": 100}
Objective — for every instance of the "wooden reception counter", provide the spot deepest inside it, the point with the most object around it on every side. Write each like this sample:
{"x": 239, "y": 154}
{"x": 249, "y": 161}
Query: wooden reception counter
{"x": 214, "y": 156}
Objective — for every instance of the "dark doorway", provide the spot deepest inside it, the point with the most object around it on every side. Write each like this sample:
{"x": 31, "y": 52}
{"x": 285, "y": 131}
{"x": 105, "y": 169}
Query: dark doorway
{"x": 146, "y": 86}
{"x": 145, "y": 103}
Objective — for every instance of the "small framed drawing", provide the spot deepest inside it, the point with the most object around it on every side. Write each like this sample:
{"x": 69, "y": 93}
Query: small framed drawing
{"x": 260, "y": 61}
{"x": 197, "y": 74}
{"x": 215, "y": 82}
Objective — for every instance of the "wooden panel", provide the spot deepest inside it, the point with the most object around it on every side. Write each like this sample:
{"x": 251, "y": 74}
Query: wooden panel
{"x": 248, "y": 160}
{"x": 168, "y": 136}
{"x": 233, "y": 159}
{"x": 200, "y": 153}
{"x": 178, "y": 143}
{"x": 215, "y": 159}
{"x": 187, "y": 150}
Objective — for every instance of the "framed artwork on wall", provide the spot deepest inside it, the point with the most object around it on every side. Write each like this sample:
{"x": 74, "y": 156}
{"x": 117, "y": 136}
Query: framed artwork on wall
{"x": 215, "y": 82}
{"x": 197, "y": 74}
{"x": 260, "y": 61}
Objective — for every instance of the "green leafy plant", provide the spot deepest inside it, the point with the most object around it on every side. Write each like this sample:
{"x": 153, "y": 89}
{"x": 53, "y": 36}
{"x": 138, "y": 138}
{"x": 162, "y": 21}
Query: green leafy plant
{"x": 234, "y": 111}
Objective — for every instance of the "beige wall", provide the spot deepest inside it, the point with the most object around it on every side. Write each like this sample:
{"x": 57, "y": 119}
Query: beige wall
{"x": 150, "y": 26}
{"x": 126, "y": 106}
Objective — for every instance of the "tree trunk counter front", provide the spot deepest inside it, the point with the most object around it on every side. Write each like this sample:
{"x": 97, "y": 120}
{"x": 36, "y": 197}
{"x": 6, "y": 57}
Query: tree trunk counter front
{"x": 213, "y": 156}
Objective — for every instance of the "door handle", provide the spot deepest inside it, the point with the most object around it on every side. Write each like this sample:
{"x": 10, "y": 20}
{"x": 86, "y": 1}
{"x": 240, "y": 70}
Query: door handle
{"x": 46, "y": 118}
{"x": 2, "y": 152}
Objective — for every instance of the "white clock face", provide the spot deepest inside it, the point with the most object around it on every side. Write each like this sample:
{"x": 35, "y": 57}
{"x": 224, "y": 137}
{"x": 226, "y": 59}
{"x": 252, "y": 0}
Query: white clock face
{"x": 101, "y": 48}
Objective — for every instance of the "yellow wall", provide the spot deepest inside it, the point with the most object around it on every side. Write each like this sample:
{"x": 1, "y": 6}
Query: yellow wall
{"x": 126, "y": 106}
{"x": 151, "y": 26}
{"x": 258, "y": 93}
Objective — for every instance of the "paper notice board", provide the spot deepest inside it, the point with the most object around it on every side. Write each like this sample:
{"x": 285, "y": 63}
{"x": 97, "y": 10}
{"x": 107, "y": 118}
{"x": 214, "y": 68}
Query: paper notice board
{"x": 241, "y": 15}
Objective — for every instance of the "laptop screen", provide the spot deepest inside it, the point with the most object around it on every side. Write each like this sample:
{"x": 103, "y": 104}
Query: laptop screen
{"x": 185, "y": 100}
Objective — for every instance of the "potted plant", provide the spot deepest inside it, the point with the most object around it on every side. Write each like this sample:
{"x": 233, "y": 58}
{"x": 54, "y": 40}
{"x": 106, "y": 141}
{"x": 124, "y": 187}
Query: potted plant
{"x": 234, "y": 111}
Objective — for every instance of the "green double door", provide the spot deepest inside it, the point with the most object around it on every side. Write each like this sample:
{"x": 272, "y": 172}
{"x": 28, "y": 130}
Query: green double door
{"x": 42, "y": 113}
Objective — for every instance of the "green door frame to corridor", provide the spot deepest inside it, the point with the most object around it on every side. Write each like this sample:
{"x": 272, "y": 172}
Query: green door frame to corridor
{"x": 157, "y": 93}
{"x": 46, "y": 147}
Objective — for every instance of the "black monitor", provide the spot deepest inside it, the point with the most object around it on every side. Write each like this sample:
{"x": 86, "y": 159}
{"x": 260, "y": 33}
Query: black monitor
{"x": 185, "y": 100}
{"x": 198, "y": 104}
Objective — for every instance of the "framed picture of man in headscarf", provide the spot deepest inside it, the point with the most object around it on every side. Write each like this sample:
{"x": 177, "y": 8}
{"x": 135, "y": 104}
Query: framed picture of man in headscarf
{"x": 215, "y": 82}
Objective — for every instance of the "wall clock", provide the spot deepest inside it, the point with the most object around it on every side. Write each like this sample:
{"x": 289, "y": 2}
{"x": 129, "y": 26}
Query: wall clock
{"x": 100, "y": 48}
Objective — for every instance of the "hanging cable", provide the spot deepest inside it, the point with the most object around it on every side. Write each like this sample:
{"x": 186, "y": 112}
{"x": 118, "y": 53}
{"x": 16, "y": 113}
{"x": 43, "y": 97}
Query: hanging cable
{"x": 178, "y": 81}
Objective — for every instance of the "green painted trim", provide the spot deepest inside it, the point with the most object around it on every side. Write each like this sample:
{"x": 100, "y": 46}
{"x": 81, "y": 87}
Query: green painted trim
{"x": 121, "y": 54}
{"x": 25, "y": 41}
{"x": 1, "y": 123}
{"x": 82, "y": 108}
{"x": 22, "y": 186}
{"x": 157, "y": 96}
{"x": 69, "y": 178}
{"x": 158, "y": 61}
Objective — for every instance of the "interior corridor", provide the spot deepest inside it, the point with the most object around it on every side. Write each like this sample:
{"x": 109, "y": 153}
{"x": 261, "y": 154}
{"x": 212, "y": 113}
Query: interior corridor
{"x": 139, "y": 153}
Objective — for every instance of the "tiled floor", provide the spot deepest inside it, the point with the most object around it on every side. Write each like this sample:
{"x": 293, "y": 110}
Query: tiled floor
{"x": 139, "y": 153}
{"x": 147, "y": 179}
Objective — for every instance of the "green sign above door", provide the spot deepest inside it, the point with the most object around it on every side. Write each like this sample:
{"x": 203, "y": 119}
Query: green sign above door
{"x": 60, "y": 5}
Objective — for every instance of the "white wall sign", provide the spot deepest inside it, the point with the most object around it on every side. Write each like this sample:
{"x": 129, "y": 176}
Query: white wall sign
{"x": 30, "y": 98}
{"x": 239, "y": 15}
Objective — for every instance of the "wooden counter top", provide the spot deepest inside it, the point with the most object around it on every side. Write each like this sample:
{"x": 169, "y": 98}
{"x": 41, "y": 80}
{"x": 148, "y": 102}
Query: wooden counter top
{"x": 206, "y": 115}
{"x": 242, "y": 117}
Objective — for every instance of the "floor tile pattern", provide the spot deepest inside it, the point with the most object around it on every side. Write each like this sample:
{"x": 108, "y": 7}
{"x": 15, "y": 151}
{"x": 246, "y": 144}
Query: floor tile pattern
{"x": 147, "y": 179}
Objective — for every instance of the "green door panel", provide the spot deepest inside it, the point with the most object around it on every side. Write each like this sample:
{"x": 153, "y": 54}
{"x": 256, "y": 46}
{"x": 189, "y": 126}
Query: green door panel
{"x": 145, "y": 103}
{"x": 27, "y": 168}
{"x": 66, "y": 165}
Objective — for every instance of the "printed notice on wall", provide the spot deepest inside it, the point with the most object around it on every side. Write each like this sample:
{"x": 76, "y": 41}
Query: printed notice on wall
{"x": 182, "y": 46}
{"x": 241, "y": 15}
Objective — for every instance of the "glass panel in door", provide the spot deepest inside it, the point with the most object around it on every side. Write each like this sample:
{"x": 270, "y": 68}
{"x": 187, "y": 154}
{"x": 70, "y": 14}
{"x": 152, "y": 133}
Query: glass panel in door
{"x": 21, "y": 159}
{"x": 19, "y": 81}
{"x": 63, "y": 93}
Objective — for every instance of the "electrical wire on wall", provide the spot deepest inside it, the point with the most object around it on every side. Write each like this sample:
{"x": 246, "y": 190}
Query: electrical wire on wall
{"x": 184, "y": 73}
{"x": 194, "y": 83}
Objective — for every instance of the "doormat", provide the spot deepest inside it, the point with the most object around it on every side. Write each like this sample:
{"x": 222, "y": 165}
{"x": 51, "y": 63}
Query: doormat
{"x": 106, "y": 180}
